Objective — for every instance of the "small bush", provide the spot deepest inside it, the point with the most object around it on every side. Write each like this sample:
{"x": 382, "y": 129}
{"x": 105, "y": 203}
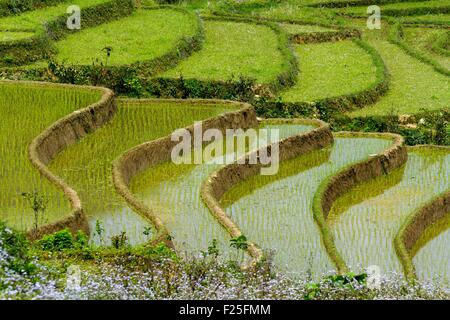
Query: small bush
{"x": 119, "y": 241}
{"x": 159, "y": 252}
{"x": 63, "y": 240}
{"x": 16, "y": 246}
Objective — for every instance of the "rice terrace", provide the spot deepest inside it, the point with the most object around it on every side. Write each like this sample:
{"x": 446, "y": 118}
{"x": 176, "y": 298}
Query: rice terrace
{"x": 224, "y": 149}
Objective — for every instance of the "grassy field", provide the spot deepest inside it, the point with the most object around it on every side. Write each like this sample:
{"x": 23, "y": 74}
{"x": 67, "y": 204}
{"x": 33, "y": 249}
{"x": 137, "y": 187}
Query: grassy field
{"x": 35, "y": 20}
{"x": 303, "y": 28}
{"x": 329, "y": 70}
{"x": 143, "y": 36}
{"x": 366, "y": 219}
{"x": 25, "y": 111}
{"x": 294, "y": 11}
{"x": 414, "y": 85}
{"x": 362, "y": 10}
{"x": 6, "y": 36}
{"x": 91, "y": 176}
{"x": 276, "y": 211}
{"x": 439, "y": 18}
{"x": 175, "y": 191}
{"x": 422, "y": 39}
{"x": 234, "y": 49}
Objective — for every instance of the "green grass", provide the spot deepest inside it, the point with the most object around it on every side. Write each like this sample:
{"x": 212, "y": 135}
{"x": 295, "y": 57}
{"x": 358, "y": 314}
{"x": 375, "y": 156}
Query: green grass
{"x": 366, "y": 220}
{"x": 329, "y": 70}
{"x": 362, "y": 10}
{"x": 234, "y": 49}
{"x": 276, "y": 211}
{"x": 414, "y": 84}
{"x": 143, "y": 36}
{"x": 303, "y": 28}
{"x": 34, "y": 20}
{"x": 174, "y": 191}
{"x": 294, "y": 11}
{"x": 25, "y": 111}
{"x": 422, "y": 40}
{"x": 439, "y": 18}
{"x": 6, "y": 36}
{"x": 345, "y": 1}
{"x": 87, "y": 165}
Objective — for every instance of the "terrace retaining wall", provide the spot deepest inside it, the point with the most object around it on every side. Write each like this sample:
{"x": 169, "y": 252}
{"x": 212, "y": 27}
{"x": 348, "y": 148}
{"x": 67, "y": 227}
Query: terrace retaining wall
{"x": 417, "y": 223}
{"x": 334, "y": 187}
{"x": 152, "y": 153}
{"x": 226, "y": 177}
{"x": 66, "y": 131}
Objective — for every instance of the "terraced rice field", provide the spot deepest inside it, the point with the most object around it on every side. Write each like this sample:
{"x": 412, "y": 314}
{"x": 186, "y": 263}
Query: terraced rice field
{"x": 35, "y": 20}
{"x": 8, "y": 36}
{"x": 329, "y": 70}
{"x": 26, "y": 110}
{"x": 366, "y": 219}
{"x": 91, "y": 176}
{"x": 434, "y": 18}
{"x": 260, "y": 203}
{"x": 234, "y": 49}
{"x": 175, "y": 191}
{"x": 409, "y": 8}
{"x": 409, "y": 77}
{"x": 423, "y": 40}
{"x": 303, "y": 28}
{"x": 432, "y": 259}
{"x": 274, "y": 212}
{"x": 294, "y": 11}
{"x": 143, "y": 36}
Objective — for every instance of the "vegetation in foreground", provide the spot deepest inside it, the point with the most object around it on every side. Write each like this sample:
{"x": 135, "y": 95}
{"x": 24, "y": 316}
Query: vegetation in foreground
{"x": 48, "y": 269}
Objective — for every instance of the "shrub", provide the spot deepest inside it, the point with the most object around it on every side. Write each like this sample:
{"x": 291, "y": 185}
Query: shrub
{"x": 119, "y": 241}
{"x": 15, "y": 245}
{"x": 159, "y": 252}
{"x": 347, "y": 281}
{"x": 63, "y": 240}
{"x": 441, "y": 134}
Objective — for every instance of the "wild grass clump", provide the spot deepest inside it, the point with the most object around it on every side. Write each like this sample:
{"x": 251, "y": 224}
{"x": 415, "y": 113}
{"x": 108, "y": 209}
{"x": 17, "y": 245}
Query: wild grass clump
{"x": 62, "y": 240}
